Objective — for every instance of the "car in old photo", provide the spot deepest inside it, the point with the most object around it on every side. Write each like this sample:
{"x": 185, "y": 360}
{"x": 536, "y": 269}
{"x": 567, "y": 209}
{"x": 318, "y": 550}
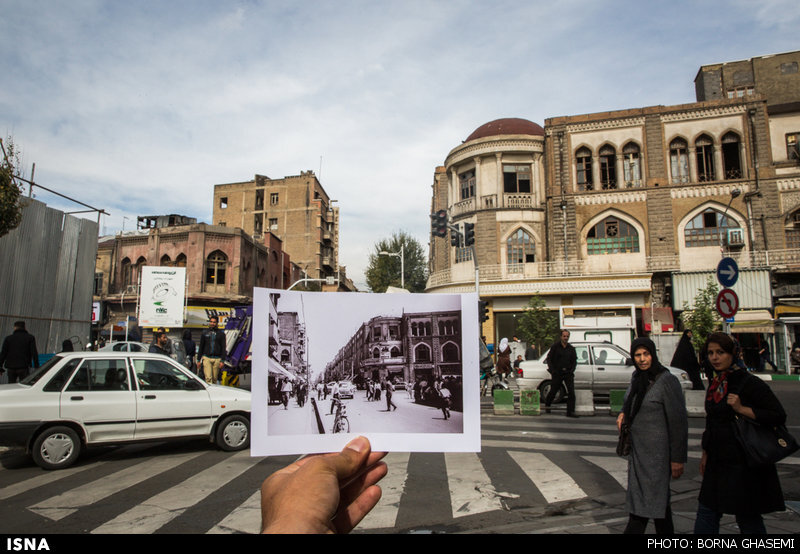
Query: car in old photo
{"x": 346, "y": 389}
{"x": 602, "y": 367}
{"x": 83, "y": 399}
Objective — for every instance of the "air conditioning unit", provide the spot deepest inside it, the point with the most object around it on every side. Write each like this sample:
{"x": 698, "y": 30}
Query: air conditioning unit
{"x": 736, "y": 237}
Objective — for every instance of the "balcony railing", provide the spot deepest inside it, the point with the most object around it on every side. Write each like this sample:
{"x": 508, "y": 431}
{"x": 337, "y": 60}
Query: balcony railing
{"x": 781, "y": 260}
{"x": 491, "y": 202}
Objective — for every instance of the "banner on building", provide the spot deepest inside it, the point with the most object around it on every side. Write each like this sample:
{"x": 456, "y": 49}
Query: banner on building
{"x": 162, "y": 296}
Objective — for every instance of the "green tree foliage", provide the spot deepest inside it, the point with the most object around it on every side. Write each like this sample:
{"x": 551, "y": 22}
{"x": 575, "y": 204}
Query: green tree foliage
{"x": 703, "y": 319}
{"x": 10, "y": 191}
{"x": 384, "y": 271}
{"x": 538, "y": 325}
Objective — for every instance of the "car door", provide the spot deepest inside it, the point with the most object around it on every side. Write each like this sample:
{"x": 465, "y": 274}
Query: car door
{"x": 583, "y": 369}
{"x": 169, "y": 401}
{"x": 611, "y": 370}
{"x": 99, "y": 396}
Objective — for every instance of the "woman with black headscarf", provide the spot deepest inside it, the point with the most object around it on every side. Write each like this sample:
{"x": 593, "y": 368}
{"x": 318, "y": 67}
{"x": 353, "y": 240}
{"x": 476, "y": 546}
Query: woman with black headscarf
{"x": 655, "y": 409}
{"x": 685, "y": 358}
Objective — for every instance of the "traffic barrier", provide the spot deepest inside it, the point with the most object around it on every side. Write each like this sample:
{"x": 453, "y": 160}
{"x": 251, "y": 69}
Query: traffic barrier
{"x": 503, "y": 402}
{"x": 529, "y": 403}
{"x": 616, "y": 400}
{"x": 695, "y": 402}
{"x": 584, "y": 403}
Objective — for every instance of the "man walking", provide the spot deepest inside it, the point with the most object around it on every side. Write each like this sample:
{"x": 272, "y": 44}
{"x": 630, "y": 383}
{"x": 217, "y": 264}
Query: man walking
{"x": 18, "y": 353}
{"x": 212, "y": 351}
{"x": 561, "y": 363}
{"x": 159, "y": 345}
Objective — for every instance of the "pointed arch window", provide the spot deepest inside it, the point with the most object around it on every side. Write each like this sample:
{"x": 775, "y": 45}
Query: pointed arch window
{"x": 704, "y": 149}
{"x": 520, "y": 248}
{"x": 450, "y": 352}
{"x": 608, "y": 167}
{"x": 583, "y": 164}
{"x": 612, "y": 236}
{"x": 631, "y": 165}
{"x": 216, "y": 263}
{"x": 679, "y": 161}
{"x": 731, "y": 156}
{"x": 165, "y": 260}
{"x": 707, "y": 228}
{"x": 422, "y": 353}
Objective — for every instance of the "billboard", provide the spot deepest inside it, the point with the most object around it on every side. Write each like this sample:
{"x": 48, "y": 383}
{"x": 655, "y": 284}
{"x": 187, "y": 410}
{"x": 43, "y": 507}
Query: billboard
{"x": 162, "y": 296}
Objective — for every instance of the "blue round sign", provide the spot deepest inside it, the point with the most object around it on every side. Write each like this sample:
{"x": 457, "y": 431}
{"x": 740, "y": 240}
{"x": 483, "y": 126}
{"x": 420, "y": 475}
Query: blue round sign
{"x": 727, "y": 272}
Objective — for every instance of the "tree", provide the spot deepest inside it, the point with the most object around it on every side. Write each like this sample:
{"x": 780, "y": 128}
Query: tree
{"x": 538, "y": 325}
{"x": 383, "y": 270}
{"x": 10, "y": 191}
{"x": 703, "y": 319}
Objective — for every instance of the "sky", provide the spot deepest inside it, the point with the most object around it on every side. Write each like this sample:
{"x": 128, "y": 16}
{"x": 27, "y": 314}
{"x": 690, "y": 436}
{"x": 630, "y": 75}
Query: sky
{"x": 140, "y": 108}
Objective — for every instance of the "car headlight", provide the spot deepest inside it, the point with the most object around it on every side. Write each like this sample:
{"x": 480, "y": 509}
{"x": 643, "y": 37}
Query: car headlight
{"x": 684, "y": 376}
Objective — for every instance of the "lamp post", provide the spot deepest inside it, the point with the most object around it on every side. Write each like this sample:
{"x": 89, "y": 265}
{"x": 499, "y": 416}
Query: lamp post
{"x": 402, "y": 262}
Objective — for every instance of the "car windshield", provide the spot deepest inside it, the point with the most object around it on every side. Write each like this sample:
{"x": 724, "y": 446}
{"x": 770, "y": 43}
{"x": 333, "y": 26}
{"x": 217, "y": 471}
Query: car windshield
{"x": 39, "y": 373}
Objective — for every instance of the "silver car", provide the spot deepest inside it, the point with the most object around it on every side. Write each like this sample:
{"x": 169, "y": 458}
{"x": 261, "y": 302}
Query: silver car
{"x": 602, "y": 367}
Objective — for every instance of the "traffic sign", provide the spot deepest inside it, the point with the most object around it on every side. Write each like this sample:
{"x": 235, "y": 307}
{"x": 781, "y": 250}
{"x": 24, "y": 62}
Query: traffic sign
{"x": 727, "y": 303}
{"x": 727, "y": 272}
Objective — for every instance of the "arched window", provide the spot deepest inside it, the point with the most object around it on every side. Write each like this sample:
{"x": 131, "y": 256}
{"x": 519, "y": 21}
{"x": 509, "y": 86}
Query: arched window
{"x": 704, "y": 148}
{"x": 180, "y": 261}
{"x": 731, "y": 154}
{"x": 793, "y": 230}
{"x": 631, "y": 165}
{"x": 608, "y": 167}
{"x": 520, "y": 248}
{"x": 583, "y": 164}
{"x": 707, "y": 228}
{"x": 216, "y": 263}
{"x": 612, "y": 236}
{"x": 165, "y": 260}
{"x": 679, "y": 161}
{"x": 395, "y": 353}
{"x": 422, "y": 353}
{"x": 450, "y": 352}
{"x": 376, "y": 353}
{"x": 466, "y": 182}
{"x": 126, "y": 272}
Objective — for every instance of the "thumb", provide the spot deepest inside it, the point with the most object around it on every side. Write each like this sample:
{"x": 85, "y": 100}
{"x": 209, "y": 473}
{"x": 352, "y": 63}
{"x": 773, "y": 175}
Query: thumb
{"x": 351, "y": 459}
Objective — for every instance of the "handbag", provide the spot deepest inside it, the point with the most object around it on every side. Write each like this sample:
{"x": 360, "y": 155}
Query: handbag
{"x": 762, "y": 444}
{"x": 624, "y": 441}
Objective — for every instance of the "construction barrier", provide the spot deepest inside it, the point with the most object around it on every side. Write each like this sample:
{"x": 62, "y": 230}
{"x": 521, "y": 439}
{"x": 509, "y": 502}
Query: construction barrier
{"x": 529, "y": 402}
{"x": 503, "y": 402}
{"x": 584, "y": 403}
{"x": 616, "y": 401}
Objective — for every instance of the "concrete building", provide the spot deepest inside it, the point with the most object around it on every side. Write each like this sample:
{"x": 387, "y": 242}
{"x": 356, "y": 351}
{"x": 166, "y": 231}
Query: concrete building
{"x": 296, "y": 209}
{"x": 633, "y": 207}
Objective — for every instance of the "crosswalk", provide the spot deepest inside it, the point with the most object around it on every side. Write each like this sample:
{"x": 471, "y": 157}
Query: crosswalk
{"x": 137, "y": 489}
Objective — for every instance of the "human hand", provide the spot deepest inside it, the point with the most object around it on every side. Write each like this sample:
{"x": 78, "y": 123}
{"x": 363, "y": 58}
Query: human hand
{"x": 677, "y": 469}
{"x": 703, "y": 460}
{"x": 620, "y": 420}
{"x": 327, "y": 493}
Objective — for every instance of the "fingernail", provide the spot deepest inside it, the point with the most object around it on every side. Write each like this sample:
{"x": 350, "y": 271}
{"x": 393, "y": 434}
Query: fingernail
{"x": 359, "y": 444}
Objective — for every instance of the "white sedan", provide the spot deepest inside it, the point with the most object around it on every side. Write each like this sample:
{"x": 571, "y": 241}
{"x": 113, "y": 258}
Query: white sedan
{"x": 81, "y": 399}
{"x": 602, "y": 367}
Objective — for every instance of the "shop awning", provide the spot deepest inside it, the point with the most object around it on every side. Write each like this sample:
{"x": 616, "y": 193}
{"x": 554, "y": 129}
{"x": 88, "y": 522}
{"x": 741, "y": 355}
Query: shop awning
{"x": 277, "y": 369}
{"x": 753, "y": 321}
{"x": 662, "y": 316}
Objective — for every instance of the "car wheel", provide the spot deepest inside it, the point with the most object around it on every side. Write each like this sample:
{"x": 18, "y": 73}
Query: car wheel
{"x": 56, "y": 448}
{"x": 544, "y": 390}
{"x": 233, "y": 433}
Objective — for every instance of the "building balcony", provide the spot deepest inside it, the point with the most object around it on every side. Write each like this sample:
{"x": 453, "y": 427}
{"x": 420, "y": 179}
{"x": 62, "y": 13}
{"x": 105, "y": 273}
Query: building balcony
{"x": 594, "y": 266}
{"x": 493, "y": 202}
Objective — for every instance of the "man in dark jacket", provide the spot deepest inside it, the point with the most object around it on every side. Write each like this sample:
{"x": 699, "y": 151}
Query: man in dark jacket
{"x": 18, "y": 353}
{"x": 160, "y": 342}
{"x": 211, "y": 351}
{"x": 561, "y": 363}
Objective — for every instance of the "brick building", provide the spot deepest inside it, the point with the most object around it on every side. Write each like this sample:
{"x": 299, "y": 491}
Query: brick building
{"x": 296, "y": 209}
{"x": 633, "y": 207}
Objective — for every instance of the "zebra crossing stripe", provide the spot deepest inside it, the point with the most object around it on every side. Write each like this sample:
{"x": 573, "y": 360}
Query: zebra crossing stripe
{"x": 554, "y": 484}
{"x": 616, "y": 467}
{"x": 385, "y": 513}
{"x": 43, "y": 480}
{"x": 162, "y": 508}
{"x": 244, "y": 519}
{"x": 59, "y": 507}
{"x": 471, "y": 490}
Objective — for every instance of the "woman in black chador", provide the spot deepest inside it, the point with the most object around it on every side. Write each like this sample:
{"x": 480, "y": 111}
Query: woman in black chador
{"x": 685, "y": 358}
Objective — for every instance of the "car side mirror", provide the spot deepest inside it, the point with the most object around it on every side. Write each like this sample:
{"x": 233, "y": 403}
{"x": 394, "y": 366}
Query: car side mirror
{"x": 628, "y": 361}
{"x": 193, "y": 384}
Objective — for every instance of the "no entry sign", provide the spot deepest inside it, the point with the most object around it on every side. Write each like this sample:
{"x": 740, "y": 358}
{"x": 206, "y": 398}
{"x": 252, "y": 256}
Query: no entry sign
{"x": 727, "y": 303}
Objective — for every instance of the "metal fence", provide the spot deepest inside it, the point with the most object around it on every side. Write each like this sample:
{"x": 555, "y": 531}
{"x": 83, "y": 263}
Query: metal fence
{"x": 47, "y": 275}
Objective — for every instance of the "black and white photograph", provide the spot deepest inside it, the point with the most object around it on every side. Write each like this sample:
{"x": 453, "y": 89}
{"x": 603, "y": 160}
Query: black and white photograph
{"x": 400, "y": 369}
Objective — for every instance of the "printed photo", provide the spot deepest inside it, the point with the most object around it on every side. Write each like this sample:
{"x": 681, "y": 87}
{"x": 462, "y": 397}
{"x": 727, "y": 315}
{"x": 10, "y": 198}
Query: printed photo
{"x": 401, "y": 369}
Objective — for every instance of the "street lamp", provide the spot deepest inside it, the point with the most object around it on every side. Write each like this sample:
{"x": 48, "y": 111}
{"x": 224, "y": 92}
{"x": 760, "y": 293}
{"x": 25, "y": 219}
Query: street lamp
{"x": 402, "y": 262}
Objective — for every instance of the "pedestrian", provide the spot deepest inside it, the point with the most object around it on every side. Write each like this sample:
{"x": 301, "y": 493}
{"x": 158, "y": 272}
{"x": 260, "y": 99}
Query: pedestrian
{"x": 18, "y": 353}
{"x": 319, "y": 391}
{"x": 66, "y": 346}
{"x": 370, "y": 390}
{"x": 325, "y": 391}
{"x": 334, "y": 395}
{"x": 159, "y": 344}
{"x": 764, "y": 358}
{"x": 729, "y": 485}
{"x": 685, "y": 358}
{"x": 530, "y": 352}
{"x": 376, "y": 392}
{"x": 504, "y": 358}
{"x": 561, "y": 363}
{"x": 655, "y": 410}
{"x": 410, "y": 390}
{"x": 446, "y": 397}
{"x": 190, "y": 347}
{"x": 286, "y": 390}
{"x": 389, "y": 388}
{"x": 517, "y": 369}
{"x": 211, "y": 351}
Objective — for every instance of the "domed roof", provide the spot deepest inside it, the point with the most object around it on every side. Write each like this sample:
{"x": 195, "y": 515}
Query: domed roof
{"x": 506, "y": 126}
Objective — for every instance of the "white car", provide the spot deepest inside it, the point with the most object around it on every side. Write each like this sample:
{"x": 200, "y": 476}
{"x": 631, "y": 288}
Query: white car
{"x": 346, "y": 389}
{"x": 602, "y": 367}
{"x": 125, "y": 346}
{"x": 82, "y": 399}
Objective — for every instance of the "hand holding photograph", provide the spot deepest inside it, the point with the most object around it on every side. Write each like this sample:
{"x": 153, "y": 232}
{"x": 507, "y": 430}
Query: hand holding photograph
{"x": 400, "y": 369}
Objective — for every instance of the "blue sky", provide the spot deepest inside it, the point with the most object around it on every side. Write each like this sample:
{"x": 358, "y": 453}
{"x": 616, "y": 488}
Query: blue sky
{"x": 139, "y": 108}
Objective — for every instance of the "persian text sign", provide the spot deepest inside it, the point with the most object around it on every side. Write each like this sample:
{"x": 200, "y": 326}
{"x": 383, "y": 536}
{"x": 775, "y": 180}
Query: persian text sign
{"x": 162, "y": 296}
